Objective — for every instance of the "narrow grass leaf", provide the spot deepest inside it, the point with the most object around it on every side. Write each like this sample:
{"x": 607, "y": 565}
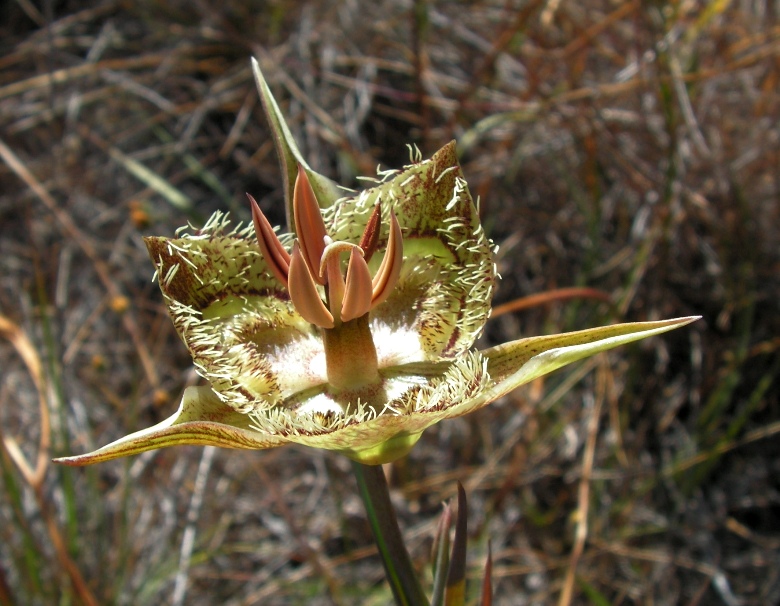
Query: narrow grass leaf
{"x": 201, "y": 172}
{"x": 486, "y": 598}
{"x": 148, "y": 177}
{"x": 594, "y": 596}
{"x": 455, "y": 592}
{"x": 441, "y": 555}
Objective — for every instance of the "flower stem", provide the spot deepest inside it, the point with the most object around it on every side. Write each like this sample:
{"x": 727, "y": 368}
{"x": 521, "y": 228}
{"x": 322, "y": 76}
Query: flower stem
{"x": 384, "y": 526}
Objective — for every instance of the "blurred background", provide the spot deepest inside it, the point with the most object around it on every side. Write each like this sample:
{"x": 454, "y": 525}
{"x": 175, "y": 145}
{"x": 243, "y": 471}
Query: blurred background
{"x": 626, "y": 146}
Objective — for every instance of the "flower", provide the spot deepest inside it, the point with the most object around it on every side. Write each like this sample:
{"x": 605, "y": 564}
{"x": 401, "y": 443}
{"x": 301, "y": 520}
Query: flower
{"x": 354, "y": 333}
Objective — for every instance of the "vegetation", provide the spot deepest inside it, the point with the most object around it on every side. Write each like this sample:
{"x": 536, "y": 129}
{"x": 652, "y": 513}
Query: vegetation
{"x": 630, "y": 148}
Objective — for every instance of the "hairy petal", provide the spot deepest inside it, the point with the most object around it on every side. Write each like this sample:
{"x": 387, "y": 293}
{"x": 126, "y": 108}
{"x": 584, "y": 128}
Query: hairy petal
{"x": 428, "y": 392}
{"x": 236, "y": 319}
{"x": 411, "y": 398}
{"x": 443, "y": 293}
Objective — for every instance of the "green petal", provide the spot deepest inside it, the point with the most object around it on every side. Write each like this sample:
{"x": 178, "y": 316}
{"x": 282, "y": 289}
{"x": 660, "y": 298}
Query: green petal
{"x": 201, "y": 419}
{"x": 290, "y": 156}
{"x": 236, "y": 319}
{"x": 446, "y": 284}
{"x": 513, "y": 364}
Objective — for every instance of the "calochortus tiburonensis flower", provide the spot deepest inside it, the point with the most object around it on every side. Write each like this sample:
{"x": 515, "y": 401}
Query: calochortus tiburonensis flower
{"x": 353, "y": 333}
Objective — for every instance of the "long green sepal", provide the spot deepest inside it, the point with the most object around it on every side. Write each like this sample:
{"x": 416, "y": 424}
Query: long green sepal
{"x": 519, "y": 362}
{"x": 202, "y": 419}
{"x": 290, "y": 156}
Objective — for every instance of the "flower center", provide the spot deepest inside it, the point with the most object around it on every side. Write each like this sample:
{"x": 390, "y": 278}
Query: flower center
{"x": 315, "y": 267}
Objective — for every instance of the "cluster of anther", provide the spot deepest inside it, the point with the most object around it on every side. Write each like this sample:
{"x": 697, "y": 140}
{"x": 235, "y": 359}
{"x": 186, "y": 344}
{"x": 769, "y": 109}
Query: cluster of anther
{"x": 315, "y": 260}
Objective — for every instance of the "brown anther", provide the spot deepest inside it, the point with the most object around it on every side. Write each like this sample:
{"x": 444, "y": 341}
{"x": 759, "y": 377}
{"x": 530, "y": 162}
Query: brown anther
{"x": 390, "y": 269}
{"x": 370, "y": 239}
{"x": 309, "y": 226}
{"x": 276, "y": 257}
{"x": 303, "y": 292}
{"x": 358, "y": 291}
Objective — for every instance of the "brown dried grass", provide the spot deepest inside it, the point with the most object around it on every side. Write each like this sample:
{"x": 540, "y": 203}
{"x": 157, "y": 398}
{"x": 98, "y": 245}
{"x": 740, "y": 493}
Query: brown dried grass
{"x": 628, "y": 147}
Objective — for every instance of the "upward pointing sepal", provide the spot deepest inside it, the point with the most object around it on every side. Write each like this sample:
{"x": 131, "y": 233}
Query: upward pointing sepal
{"x": 327, "y": 192}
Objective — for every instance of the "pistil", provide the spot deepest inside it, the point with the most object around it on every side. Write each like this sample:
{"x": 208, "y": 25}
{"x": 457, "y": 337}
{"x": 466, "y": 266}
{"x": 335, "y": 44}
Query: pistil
{"x": 350, "y": 355}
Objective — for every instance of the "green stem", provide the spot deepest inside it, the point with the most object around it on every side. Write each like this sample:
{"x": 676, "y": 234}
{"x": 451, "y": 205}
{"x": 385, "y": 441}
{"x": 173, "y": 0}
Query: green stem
{"x": 384, "y": 526}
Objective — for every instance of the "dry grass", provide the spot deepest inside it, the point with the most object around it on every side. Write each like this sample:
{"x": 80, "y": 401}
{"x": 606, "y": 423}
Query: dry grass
{"x": 632, "y": 147}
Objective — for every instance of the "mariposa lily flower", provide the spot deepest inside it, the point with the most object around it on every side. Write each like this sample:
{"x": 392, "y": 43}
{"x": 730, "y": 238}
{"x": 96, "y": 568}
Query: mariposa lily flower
{"x": 353, "y": 333}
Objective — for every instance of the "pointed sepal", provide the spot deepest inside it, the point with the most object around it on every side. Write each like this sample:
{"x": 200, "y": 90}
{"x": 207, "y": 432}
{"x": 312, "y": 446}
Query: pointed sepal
{"x": 516, "y": 363}
{"x": 202, "y": 419}
{"x": 289, "y": 155}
